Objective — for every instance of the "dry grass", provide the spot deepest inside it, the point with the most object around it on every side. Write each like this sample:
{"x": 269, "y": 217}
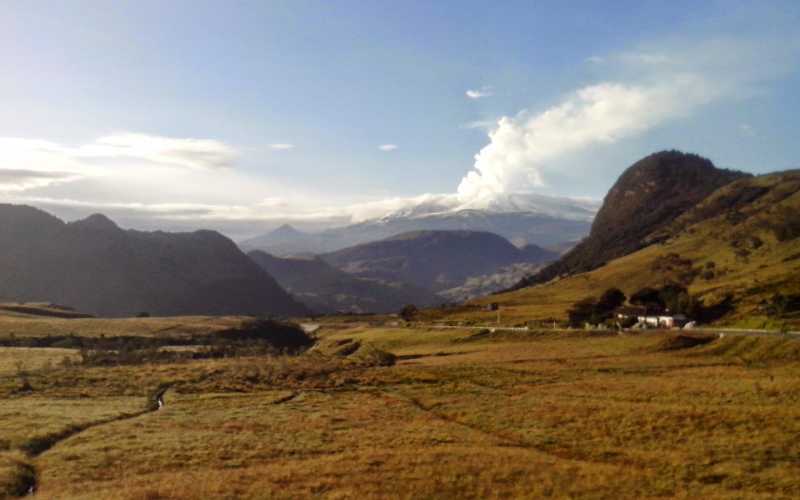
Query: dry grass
{"x": 749, "y": 273}
{"x": 16, "y": 359}
{"x": 16, "y": 474}
{"x": 20, "y": 325}
{"x": 29, "y": 418}
{"x": 506, "y": 415}
{"x": 764, "y": 266}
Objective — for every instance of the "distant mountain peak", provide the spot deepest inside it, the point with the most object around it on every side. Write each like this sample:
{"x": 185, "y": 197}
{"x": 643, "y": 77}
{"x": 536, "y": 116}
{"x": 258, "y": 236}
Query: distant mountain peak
{"x": 286, "y": 230}
{"x": 97, "y": 222}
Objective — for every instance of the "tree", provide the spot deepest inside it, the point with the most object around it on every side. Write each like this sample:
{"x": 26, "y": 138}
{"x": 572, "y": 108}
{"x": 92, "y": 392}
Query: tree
{"x": 648, "y": 297}
{"x": 610, "y": 300}
{"x": 674, "y": 297}
{"x": 583, "y": 311}
{"x": 408, "y": 312}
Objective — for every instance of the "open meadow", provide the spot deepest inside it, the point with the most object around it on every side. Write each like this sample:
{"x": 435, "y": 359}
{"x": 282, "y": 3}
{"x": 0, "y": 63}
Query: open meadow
{"x": 460, "y": 414}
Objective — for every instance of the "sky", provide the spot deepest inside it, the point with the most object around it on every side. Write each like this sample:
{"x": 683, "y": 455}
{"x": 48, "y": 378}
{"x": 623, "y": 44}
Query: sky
{"x": 239, "y": 116}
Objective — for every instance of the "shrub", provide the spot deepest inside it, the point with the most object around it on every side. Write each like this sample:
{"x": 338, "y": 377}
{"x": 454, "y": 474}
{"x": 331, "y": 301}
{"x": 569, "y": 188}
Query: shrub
{"x": 610, "y": 300}
{"x": 409, "y": 312}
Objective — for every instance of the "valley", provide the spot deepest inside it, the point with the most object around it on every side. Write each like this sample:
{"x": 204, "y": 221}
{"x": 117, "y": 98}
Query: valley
{"x": 410, "y": 250}
{"x": 447, "y": 363}
{"x": 445, "y": 413}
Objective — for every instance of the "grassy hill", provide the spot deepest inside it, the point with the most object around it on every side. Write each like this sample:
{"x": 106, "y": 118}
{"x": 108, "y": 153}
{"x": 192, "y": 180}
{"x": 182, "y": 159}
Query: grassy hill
{"x": 326, "y": 289}
{"x": 648, "y": 195}
{"x": 741, "y": 245}
{"x": 435, "y": 260}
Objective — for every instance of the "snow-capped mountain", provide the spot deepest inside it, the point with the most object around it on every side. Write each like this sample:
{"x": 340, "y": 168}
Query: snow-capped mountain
{"x": 521, "y": 218}
{"x": 579, "y": 209}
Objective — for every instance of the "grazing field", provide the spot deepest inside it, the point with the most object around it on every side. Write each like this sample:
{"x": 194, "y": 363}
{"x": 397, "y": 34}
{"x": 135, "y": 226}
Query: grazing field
{"x": 459, "y": 415}
{"x": 20, "y": 359}
{"x": 17, "y": 324}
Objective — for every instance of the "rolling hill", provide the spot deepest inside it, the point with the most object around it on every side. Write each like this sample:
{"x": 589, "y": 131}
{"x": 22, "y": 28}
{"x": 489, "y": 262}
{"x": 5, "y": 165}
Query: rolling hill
{"x": 737, "y": 250}
{"x": 648, "y": 195}
{"x": 98, "y": 268}
{"x": 435, "y": 260}
{"x": 326, "y": 289}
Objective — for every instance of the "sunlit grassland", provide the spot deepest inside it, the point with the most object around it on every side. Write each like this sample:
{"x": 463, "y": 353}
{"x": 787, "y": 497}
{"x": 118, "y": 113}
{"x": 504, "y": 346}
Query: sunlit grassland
{"x": 748, "y": 252}
{"x": 21, "y": 325}
{"x": 20, "y": 359}
{"x": 31, "y": 417}
{"x": 401, "y": 341}
{"x": 508, "y": 414}
{"x": 772, "y": 265}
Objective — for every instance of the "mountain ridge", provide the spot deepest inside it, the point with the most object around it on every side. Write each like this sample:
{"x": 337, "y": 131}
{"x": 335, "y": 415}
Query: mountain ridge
{"x": 435, "y": 260}
{"x": 99, "y": 268}
{"x": 513, "y": 216}
{"x": 648, "y": 195}
{"x": 737, "y": 252}
{"x": 329, "y": 290}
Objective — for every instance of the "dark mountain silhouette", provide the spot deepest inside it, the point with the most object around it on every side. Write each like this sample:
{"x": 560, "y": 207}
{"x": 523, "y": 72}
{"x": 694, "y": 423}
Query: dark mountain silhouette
{"x": 436, "y": 260}
{"x": 98, "y": 268}
{"x": 327, "y": 289}
{"x": 649, "y": 195}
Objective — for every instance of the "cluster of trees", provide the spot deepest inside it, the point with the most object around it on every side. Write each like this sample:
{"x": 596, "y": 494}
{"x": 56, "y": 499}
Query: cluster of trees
{"x": 596, "y": 311}
{"x": 672, "y": 298}
{"x": 781, "y": 305}
{"x": 254, "y": 337}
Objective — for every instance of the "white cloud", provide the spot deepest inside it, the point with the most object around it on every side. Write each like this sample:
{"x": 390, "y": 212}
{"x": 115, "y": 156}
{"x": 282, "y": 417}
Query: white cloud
{"x": 595, "y": 60}
{"x": 387, "y": 147}
{"x": 22, "y": 180}
{"x": 645, "y": 58}
{"x": 281, "y": 147}
{"x": 747, "y": 129}
{"x": 177, "y": 152}
{"x": 479, "y": 93}
{"x": 31, "y": 163}
{"x": 650, "y": 89}
{"x": 481, "y": 124}
{"x": 520, "y": 146}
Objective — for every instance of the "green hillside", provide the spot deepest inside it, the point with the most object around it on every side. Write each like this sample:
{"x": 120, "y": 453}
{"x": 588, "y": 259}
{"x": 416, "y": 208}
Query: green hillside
{"x": 740, "y": 246}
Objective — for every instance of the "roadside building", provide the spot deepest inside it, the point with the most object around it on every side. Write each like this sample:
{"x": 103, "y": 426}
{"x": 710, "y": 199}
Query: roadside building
{"x": 650, "y": 318}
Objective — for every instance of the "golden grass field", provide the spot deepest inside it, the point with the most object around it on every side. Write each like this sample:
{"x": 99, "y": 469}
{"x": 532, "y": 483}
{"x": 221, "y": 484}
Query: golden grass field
{"x": 518, "y": 414}
{"x": 770, "y": 264}
{"x": 31, "y": 325}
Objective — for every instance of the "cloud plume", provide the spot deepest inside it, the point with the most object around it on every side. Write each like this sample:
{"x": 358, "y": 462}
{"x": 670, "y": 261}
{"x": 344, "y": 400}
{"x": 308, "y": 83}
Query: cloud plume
{"x": 646, "y": 90}
{"x": 520, "y": 146}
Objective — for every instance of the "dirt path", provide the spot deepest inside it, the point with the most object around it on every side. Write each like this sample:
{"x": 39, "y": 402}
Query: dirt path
{"x": 40, "y": 445}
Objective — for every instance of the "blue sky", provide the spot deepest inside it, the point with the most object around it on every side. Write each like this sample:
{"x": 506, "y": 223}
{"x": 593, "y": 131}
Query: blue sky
{"x": 202, "y": 113}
